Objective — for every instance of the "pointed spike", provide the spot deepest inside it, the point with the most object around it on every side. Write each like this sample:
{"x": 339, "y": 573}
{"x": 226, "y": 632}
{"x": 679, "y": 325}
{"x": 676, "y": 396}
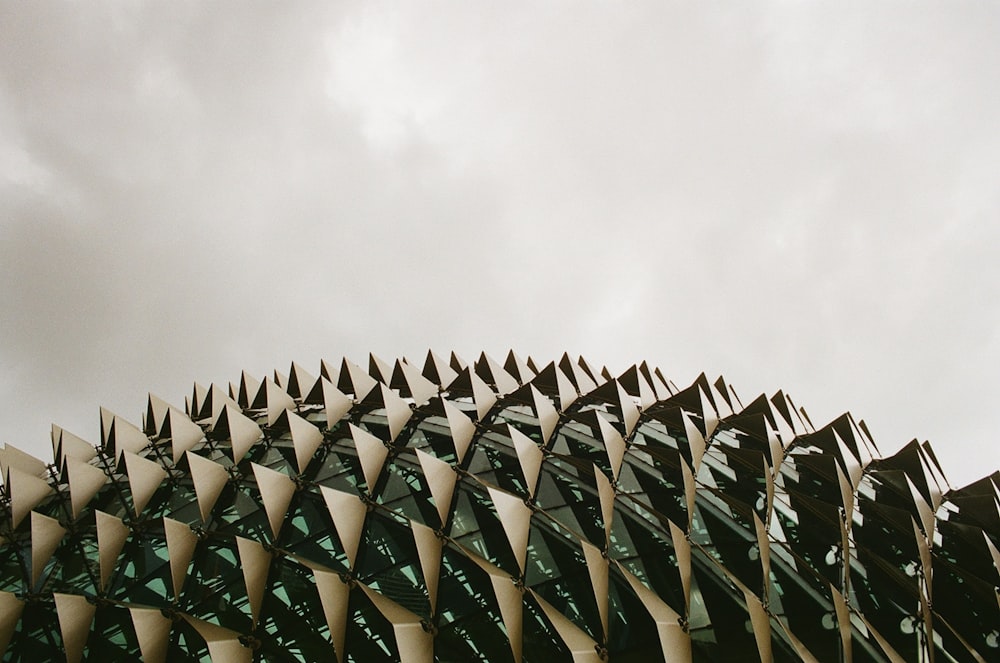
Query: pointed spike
{"x": 75, "y": 614}
{"x": 276, "y": 491}
{"x": 144, "y": 478}
{"x": 111, "y": 536}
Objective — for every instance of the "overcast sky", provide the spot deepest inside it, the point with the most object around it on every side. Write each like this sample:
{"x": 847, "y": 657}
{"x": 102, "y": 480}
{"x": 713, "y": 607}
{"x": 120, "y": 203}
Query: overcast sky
{"x": 797, "y": 196}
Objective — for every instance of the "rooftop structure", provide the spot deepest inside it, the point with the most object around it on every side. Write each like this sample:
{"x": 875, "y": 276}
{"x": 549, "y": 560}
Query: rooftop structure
{"x": 491, "y": 511}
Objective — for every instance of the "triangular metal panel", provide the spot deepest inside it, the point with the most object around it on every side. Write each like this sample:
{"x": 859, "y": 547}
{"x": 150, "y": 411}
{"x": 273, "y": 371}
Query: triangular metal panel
{"x": 582, "y": 647}
{"x": 429, "y": 551}
{"x": 25, "y": 492}
{"x": 348, "y": 513}
{"x": 614, "y": 445}
{"x": 144, "y": 477}
{"x": 529, "y": 456}
{"x": 11, "y": 608}
{"x": 255, "y": 562}
{"x": 334, "y": 596}
{"x": 75, "y": 614}
{"x": 548, "y": 415}
{"x": 306, "y": 439}
{"x": 184, "y": 433}
{"x": 181, "y": 544}
{"x": 438, "y": 371}
{"x": 111, "y": 536}
{"x": 441, "y": 479}
{"x": 276, "y": 491}
{"x": 355, "y": 380}
{"x": 46, "y": 533}
{"x": 243, "y": 431}
{"x": 152, "y": 630}
{"x": 372, "y": 453}
{"x": 598, "y": 570}
{"x": 209, "y": 479}
{"x": 515, "y": 517}
{"x": 336, "y": 404}
{"x": 397, "y": 411}
{"x": 419, "y": 388}
{"x": 12, "y": 457}
{"x": 85, "y": 481}
{"x": 414, "y": 644}
{"x": 462, "y": 429}
{"x": 675, "y": 642}
{"x": 224, "y": 645}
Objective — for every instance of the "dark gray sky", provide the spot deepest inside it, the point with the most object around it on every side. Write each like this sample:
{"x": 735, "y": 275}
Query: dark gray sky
{"x": 802, "y": 196}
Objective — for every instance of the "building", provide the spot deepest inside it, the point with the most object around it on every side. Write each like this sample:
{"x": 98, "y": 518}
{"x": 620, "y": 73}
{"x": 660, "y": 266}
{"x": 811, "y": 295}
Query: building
{"x": 495, "y": 512}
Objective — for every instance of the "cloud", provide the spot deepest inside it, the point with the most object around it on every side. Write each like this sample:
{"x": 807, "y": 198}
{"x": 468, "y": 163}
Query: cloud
{"x": 795, "y": 196}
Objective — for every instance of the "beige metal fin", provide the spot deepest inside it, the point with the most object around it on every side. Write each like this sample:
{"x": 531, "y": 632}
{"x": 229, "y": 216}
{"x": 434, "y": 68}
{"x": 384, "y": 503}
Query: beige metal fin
{"x": 462, "y": 428}
{"x": 696, "y": 441}
{"x": 441, "y": 478}
{"x": 156, "y": 413}
{"x": 306, "y": 439}
{"x": 181, "y": 543}
{"x": 515, "y": 517}
{"x": 335, "y": 402}
{"x": 414, "y": 644}
{"x": 334, "y": 596}
{"x": 11, "y": 457}
{"x": 529, "y": 455}
{"x": 761, "y": 625}
{"x": 598, "y": 570}
{"x": 689, "y": 491}
{"x": 255, "y": 562}
{"x": 421, "y": 389}
{"x": 152, "y": 630}
{"x": 11, "y": 608}
{"x": 429, "y": 550}
{"x": 567, "y": 391}
{"x": 613, "y": 444}
{"x": 606, "y": 495}
{"x": 355, "y": 380}
{"x": 111, "y": 536}
{"x": 510, "y": 600}
{"x": 843, "y": 623}
{"x": 372, "y": 453}
{"x": 243, "y": 431}
{"x": 223, "y": 644}
{"x": 26, "y": 492}
{"x": 46, "y": 533}
{"x": 126, "y": 437}
{"x": 548, "y": 415}
{"x": 630, "y": 412}
{"x": 85, "y": 481}
{"x": 300, "y": 382}
{"x": 581, "y": 646}
{"x": 397, "y": 411}
{"x": 209, "y": 479}
{"x": 276, "y": 491}
{"x": 676, "y": 644}
{"x": 184, "y": 433}
{"x": 348, "y": 514}
{"x": 278, "y": 401}
{"x": 482, "y": 395}
{"x": 144, "y": 477}
{"x": 73, "y": 446}
{"x": 76, "y": 614}
{"x": 682, "y": 549}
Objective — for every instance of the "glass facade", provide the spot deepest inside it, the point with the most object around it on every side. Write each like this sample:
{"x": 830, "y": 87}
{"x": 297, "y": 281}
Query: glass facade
{"x": 491, "y": 512}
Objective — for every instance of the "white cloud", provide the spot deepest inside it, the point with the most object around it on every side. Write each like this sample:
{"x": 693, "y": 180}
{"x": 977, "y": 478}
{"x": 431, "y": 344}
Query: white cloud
{"x": 799, "y": 196}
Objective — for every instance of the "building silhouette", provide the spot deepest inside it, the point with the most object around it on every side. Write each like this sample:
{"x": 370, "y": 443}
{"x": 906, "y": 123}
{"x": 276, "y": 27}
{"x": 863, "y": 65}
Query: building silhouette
{"x": 491, "y": 511}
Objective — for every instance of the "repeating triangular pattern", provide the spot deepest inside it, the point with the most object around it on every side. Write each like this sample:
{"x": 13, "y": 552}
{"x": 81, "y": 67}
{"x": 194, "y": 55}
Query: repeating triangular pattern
{"x": 491, "y": 511}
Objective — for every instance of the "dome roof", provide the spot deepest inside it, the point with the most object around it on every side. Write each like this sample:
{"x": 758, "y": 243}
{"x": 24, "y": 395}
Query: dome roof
{"x": 491, "y": 511}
